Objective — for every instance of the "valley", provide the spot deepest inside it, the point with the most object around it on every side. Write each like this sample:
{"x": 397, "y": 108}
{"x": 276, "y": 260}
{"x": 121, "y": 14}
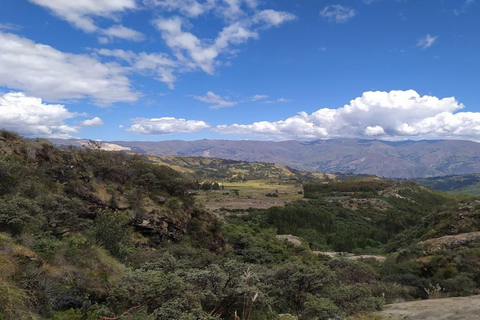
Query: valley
{"x": 239, "y": 160}
{"x": 92, "y": 234}
{"x": 390, "y": 159}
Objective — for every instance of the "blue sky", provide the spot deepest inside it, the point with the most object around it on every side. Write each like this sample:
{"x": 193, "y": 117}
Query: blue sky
{"x": 240, "y": 69}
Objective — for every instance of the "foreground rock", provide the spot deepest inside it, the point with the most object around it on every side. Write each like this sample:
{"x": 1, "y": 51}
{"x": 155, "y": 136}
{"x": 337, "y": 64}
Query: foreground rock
{"x": 460, "y": 308}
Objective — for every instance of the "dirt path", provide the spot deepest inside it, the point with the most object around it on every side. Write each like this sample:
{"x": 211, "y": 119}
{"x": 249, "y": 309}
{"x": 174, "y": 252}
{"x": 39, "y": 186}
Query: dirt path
{"x": 461, "y": 308}
{"x": 350, "y": 256}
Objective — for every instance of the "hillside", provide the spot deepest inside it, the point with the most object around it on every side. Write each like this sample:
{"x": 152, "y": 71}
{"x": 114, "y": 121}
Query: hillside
{"x": 403, "y": 159}
{"x": 465, "y": 184}
{"x": 207, "y": 168}
{"x": 90, "y": 234}
{"x": 459, "y": 308}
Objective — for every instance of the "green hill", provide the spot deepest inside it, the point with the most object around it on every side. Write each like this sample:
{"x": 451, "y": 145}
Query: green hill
{"x": 90, "y": 234}
{"x": 468, "y": 184}
{"x": 202, "y": 168}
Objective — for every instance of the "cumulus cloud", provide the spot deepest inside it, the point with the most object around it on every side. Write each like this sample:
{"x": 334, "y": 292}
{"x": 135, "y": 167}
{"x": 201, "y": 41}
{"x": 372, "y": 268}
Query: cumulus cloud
{"x": 337, "y": 13}
{"x": 82, "y": 13}
{"x": 201, "y": 53}
{"x": 122, "y": 32}
{"x": 226, "y": 9}
{"x": 215, "y": 100}
{"x": 384, "y": 115}
{"x": 31, "y": 117}
{"x": 160, "y": 65}
{"x": 190, "y": 8}
{"x": 94, "y": 122}
{"x": 190, "y": 52}
{"x": 165, "y": 125}
{"x": 45, "y": 72}
{"x": 272, "y": 17}
{"x": 243, "y": 22}
{"x": 427, "y": 41}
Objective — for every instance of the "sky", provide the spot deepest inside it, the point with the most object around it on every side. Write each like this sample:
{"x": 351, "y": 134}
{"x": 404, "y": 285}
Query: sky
{"x": 240, "y": 69}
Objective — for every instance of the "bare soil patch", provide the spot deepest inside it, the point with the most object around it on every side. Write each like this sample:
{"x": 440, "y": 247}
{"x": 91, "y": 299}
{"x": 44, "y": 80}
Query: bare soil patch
{"x": 459, "y": 308}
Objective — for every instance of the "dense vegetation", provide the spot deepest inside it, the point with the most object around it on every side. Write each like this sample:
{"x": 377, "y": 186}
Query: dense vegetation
{"x": 465, "y": 184}
{"x": 90, "y": 234}
{"x": 202, "y": 169}
{"x": 430, "y": 239}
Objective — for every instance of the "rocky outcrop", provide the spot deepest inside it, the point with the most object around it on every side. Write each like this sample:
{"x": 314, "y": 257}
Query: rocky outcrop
{"x": 449, "y": 242}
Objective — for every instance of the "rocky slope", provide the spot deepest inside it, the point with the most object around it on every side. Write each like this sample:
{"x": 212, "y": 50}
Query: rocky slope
{"x": 460, "y": 308}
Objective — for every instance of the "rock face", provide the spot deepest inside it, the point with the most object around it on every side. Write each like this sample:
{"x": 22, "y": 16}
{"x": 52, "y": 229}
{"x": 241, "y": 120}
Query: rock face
{"x": 449, "y": 242}
{"x": 461, "y": 308}
{"x": 292, "y": 239}
{"x": 404, "y": 159}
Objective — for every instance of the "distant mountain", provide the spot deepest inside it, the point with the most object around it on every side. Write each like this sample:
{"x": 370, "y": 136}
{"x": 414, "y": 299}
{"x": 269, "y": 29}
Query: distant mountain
{"x": 404, "y": 159}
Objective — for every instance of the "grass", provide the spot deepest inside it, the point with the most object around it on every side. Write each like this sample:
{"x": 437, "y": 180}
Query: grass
{"x": 261, "y": 185}
{"x": 250, "y": 194}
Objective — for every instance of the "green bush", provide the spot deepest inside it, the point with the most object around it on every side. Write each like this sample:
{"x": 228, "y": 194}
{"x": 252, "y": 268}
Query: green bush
{"x": 317, "y": 308}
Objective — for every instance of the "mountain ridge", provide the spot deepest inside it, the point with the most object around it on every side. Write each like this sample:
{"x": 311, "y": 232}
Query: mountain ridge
{"x": 392, "y": 159}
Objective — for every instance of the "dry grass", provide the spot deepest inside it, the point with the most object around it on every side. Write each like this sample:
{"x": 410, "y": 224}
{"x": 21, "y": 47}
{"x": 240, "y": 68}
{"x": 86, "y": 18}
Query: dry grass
{"x": 249, "y": 194}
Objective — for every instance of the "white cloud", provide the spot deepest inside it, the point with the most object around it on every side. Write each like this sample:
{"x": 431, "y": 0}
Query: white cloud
{"x": 190, "y": 8}
{"x": 259, "y": 97}
{"x": 94, "y": 122}
{"x": 427, "y": 41}
{"x": 30, "y": 117}
{"x": 103, "y": 40}
{"x": 385, "y": 115}
{"x": 273, "y": 18}
{"x": 81, "y": 13}
{"x": 374, "y": 131}
{"x": 165, "y": 125}
{"x": 128, "y": 56}
{"x": 158, "y": 64}
{"x": 122, "y": 32}
{"x": 337, "y": 13}
{"x": 243, "y": 22}
{"x": 202, "y": 54}
{"x": 45, "y": 72}
{"x": 465, "y": 7}
{"x": 215, "y": 100}
{"x": 279, "y": 100}
{"x": 229, "y": 10}
{"x": 184, "y": 42}
{"x": 9, "y": 27}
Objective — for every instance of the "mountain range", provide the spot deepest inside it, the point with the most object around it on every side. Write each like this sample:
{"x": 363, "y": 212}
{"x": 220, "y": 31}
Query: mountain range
{"x": 391, "y": 159}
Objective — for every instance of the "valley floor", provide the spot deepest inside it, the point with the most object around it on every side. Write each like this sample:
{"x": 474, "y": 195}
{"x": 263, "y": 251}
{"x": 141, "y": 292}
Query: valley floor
{"x": 459, "y": 308}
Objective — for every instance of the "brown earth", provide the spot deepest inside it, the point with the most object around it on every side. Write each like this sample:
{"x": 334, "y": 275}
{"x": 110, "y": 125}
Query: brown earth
{"x": 349, "y": 256}
{"x": 449, "y": 242}
{"x": 245, "y": 203}
{"x": 459, "y": 308}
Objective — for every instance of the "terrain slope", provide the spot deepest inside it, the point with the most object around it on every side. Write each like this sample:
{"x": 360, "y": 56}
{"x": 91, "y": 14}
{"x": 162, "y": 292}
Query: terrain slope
{"x": 401, "y": 159}
{"x": 459, "y": 308}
